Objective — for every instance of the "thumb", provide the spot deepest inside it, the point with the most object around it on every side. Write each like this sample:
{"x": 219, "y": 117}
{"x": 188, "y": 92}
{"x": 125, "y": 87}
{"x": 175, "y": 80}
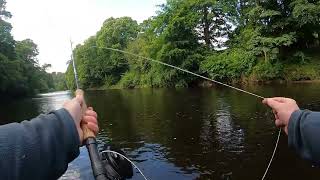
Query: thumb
{"x": 79, "y": 96}
{"x": 274, "y": 104}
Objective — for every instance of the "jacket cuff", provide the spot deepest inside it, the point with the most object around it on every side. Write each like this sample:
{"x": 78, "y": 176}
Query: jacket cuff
{"x": 72, "y": 140}
{"x": 292, "y": 127}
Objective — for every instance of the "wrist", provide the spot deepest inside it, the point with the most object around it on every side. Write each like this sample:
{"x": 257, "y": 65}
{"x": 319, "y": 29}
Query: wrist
{"x": 70, "y": 130}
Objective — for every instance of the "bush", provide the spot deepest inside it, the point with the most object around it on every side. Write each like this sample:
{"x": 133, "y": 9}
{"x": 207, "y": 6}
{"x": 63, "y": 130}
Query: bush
{"x": 301, "y": 72}
{"x": 110, "y": 81}
{"x": 229, "y": 65}
{"x": 130, "y": 80}
{"x": 300, "y": 58}
{"x": 265, "y": 71}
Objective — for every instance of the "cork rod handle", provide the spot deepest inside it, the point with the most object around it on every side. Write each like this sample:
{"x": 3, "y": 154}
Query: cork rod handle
{"x": 87, "y": 133}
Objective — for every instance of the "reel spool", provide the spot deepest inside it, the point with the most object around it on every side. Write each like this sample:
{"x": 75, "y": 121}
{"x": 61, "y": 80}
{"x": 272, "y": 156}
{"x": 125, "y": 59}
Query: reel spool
{"x": 116, "y": 166}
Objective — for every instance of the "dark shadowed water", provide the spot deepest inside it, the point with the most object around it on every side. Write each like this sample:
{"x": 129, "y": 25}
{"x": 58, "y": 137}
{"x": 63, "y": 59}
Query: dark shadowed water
{"x": 215, "y": 133}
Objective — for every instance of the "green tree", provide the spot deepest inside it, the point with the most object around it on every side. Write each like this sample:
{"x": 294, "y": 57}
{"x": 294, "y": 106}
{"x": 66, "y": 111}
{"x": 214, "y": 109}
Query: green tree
{"x": 214, "y": 23}
{"x": 20, "y": 72}
{"x": 27, "y": 51}
{"x": 10, "y": 76}
{"x": 34, "y": 81}
{"x": 228, "y": 40}
{"x": 305, "y": 15}
{"x": 4, "y": 14}
{"x": 98, "y": 66}
{"x": 7, "y": 42}
{"x": 59, "y": 81}
{"x": 6, "y": 39}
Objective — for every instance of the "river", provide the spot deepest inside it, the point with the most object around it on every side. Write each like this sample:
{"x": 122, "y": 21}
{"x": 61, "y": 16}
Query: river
{"x": 214, "y": 133}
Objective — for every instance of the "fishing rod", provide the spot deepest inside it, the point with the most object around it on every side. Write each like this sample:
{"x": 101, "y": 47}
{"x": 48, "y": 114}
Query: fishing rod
{"x": 112, "y": 163}
{"x": 206, "y": 78}
{"x": 89, "y": 137}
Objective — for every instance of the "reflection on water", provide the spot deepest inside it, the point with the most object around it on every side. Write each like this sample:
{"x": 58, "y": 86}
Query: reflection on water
{"x": 31, "y": 107}
{"x": 231, "y": 139}
{"x": 188, "y": 133}
{"x": 55, "y": 99}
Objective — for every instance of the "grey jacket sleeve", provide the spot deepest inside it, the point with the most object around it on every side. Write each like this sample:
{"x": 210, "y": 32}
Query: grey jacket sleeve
{"x": 304, "y": 134}
{"x": 40, "y": 148}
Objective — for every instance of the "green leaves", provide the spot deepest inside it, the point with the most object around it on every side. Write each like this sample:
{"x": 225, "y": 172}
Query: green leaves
{"x": 269, "y": 13}
{"x": 265, "y": 71}
{"x": 117, "y": 31}
{"x": 229, "y": 65}
{"x": 258, "y": 38}
{"x": 4, "y": 14}
{"x": 98, "y": 66}
{"x": 305, "y": 12}
{"x": 27, "y": 51}
{"x": 7, "y": 42}
{"x": 10, "y": 73}
{"x": 20, "y": 72}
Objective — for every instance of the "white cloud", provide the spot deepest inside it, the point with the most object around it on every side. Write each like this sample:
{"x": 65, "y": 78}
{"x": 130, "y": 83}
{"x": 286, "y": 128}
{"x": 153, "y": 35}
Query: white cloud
{"x": 51, "y": 24}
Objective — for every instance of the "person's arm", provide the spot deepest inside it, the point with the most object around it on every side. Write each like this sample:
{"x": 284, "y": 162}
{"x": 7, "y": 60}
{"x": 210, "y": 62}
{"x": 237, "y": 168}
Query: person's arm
{"x": 301, "y": 126}
{"x": 304, "y": 134}
{"x": 40, "y": 148}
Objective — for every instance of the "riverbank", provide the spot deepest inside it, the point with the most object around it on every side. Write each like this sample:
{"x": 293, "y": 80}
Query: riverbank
{"x": 209, "y": 84}
{"x": 308, "y": 72}
{"x": 296, "y": 70}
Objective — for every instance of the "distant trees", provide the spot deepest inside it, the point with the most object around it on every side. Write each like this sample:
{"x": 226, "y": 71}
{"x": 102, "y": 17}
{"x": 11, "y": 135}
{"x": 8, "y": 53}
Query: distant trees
{"x": 59, "y": 80}
{"x": 20, "y": 72}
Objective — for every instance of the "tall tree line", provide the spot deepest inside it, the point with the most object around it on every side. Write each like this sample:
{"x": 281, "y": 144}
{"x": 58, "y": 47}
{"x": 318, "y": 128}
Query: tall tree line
{"x": 229, "y": 40}
{"x": 20, "y": 72}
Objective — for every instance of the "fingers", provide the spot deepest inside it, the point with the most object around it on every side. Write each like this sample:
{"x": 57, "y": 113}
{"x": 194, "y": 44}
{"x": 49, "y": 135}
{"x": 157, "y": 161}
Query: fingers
{"x": 275, "y": 114}
{"x": 90, "y": 112}
{"x": 91, "y": 123}
{"x": 279, "y": 123}
{"x": 91, "y": 119}
{"x": 272, "y": 103}
{"x": 278, "y": 99}
{"x": 93, "y": 127}
{"x": 283, "y": 99}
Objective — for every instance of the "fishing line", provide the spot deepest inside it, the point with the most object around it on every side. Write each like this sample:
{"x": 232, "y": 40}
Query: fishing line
{"x": 109, "y": 151}
{"x": 184, "y": 70}
{"x": 274, "y": 152}
{"x": 206, "y": 78}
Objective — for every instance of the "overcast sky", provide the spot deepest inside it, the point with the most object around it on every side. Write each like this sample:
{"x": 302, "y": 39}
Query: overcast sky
{"x": 51, "y": 23}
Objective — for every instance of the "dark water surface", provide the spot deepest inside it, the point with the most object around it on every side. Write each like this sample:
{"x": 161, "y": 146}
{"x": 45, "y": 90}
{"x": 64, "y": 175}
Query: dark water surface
{"x": 215, "y": 133}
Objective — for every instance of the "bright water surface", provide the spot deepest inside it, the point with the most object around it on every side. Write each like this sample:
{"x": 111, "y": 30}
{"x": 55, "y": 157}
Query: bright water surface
{"x": 215, "y": 133}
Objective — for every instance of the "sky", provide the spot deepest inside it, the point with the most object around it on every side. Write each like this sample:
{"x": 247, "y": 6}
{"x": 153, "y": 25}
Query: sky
{"x": 52, "y": 23}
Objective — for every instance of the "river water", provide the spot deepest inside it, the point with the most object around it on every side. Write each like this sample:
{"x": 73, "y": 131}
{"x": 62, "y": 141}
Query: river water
{"x": 215, "y": 133}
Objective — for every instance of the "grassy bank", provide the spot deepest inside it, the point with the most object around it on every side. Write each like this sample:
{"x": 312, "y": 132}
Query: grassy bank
{"x": 235, "y": 67}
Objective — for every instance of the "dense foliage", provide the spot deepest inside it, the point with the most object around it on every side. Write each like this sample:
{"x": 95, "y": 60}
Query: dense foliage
{"x": 20, "y": 72}
{"x": 229, "y": 40}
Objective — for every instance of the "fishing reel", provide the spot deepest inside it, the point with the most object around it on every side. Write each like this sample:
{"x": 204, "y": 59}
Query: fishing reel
{"x": 116, "y": 166}
{"x": 110, "y": 163}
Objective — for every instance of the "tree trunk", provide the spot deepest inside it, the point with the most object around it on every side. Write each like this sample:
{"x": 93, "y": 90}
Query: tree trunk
{"x": 265, "y": 56}
{"x": 206, "y": 30}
